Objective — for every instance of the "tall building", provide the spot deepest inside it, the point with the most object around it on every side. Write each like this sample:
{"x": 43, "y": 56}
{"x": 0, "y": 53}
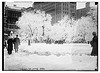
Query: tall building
{"x": 83, "y": 11}
{"x": 57, "y": 9}
{"x": 11, "y": 15}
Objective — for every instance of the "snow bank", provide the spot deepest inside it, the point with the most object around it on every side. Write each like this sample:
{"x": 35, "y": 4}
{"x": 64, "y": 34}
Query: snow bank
{"x": 57, "y": 48}
{"x": 20, "y": 61}
{"x": 51, "y": 57}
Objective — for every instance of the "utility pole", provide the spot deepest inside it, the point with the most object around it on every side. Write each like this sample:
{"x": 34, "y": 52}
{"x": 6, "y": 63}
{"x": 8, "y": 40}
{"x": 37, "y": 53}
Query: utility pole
{"x": 43, "y": 30}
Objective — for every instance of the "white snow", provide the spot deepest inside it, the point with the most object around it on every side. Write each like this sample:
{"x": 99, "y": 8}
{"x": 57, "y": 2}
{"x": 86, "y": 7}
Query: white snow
{"x": 58, "y": 48}
{"x": 51, "y": 57}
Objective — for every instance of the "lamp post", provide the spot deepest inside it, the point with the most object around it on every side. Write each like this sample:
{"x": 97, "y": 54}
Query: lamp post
{"x": 43, "y": 30}
{"x": 29, "y": 43}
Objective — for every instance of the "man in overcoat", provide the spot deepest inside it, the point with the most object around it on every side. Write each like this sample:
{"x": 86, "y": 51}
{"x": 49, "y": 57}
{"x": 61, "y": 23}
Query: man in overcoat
{"x": 10, "y": 45}
{"x": 16, "y": 43}
{"x": 94, "y": 44}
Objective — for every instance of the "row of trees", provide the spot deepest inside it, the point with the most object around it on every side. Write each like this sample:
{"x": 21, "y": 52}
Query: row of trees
{"x": 36, "y": 25}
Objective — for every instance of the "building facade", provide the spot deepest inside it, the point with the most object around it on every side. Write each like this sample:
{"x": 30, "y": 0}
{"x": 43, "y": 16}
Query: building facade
{"x": 83, "y": 11}
{"x": 11, "y": 15}
{"x": 57, "y": 9}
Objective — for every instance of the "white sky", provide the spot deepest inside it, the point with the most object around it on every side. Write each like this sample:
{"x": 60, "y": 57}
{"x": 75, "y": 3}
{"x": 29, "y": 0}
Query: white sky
{"x": 29, "y": 4}
{"x": 20, "y": 3}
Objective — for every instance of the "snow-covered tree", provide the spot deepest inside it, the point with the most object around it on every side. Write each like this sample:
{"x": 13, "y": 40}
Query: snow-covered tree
{"x": 36, "y": 25}
{"x": 84, "y": 28}
{"x": 86, "y": 25}
{"x": 33, "y": 24}
{"x": 63, "y": 30}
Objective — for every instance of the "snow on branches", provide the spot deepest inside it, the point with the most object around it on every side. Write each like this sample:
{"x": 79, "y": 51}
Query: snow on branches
{"x": 36, "y": 25}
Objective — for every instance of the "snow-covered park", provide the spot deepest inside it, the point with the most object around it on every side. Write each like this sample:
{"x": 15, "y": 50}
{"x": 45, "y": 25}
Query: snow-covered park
{"x": 51, "y": 57}
{"x": 35, "y": 26}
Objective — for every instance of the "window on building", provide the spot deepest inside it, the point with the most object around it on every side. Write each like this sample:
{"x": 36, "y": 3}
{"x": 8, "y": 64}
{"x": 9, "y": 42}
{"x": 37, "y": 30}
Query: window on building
{"x": 67, "y": 12}
{"x": 63, "y": 11}
{"x": 10, "y": 26}
{"x": 63, "y": 8}
{"x": 73, "y": 2}
{"x": 65, "y": 4}
{"x": 73, "y": 6}
{"x": 73, "y": 14}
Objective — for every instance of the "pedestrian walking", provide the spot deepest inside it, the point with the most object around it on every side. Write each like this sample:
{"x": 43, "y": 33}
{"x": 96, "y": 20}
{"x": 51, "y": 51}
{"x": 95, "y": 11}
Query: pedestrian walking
{"x": 16, "y": 43}
{"x": 10, "y": 45}
{"x": 94, "y": 44}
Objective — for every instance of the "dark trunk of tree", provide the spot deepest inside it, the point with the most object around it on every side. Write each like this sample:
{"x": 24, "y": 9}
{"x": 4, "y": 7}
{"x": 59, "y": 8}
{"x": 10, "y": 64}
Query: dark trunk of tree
{"x": 29, "y": 43}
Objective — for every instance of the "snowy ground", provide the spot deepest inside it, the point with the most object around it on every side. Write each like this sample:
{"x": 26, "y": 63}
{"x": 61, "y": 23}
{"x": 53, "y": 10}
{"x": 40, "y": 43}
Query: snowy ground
{"x": 51, "y": 57}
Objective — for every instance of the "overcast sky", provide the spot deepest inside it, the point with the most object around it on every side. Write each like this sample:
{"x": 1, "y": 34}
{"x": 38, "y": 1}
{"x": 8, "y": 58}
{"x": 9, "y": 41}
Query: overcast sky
{"x": 20, "y": 3}
{"x": 29, "y": 4}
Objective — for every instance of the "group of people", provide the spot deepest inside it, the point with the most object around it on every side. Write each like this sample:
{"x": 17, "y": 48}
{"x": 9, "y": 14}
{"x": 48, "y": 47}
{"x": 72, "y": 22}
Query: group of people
{"x": 16, "y": 42}
{"x": 10, "y": 42}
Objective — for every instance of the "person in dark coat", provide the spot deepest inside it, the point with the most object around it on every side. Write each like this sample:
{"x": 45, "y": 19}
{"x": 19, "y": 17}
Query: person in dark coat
{"x": 16, "y": 43}
{"x": 94, "y": 44}
{"x": 10, "y": 45}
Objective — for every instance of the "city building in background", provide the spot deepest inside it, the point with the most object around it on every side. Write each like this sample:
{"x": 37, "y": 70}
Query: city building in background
{"x": 60, "y": 9}
{"x": 83, "y": 11}
{"x": 57, "y": 9}
{"x": 11, "y": 15}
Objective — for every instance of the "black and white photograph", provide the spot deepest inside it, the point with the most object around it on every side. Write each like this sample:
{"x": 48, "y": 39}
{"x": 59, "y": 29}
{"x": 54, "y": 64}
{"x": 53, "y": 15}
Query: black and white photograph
{"x": 50, "y": 36}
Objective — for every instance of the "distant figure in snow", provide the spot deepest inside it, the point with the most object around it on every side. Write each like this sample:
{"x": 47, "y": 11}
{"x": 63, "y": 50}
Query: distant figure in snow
{"x": 10, "y": 45}
{"x": 94, "y": 44}
{"x": 16, "y": 43}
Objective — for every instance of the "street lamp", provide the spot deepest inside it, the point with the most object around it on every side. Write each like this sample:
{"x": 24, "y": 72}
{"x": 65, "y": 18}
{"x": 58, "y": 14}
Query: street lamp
{"x": 43, "y": 30}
